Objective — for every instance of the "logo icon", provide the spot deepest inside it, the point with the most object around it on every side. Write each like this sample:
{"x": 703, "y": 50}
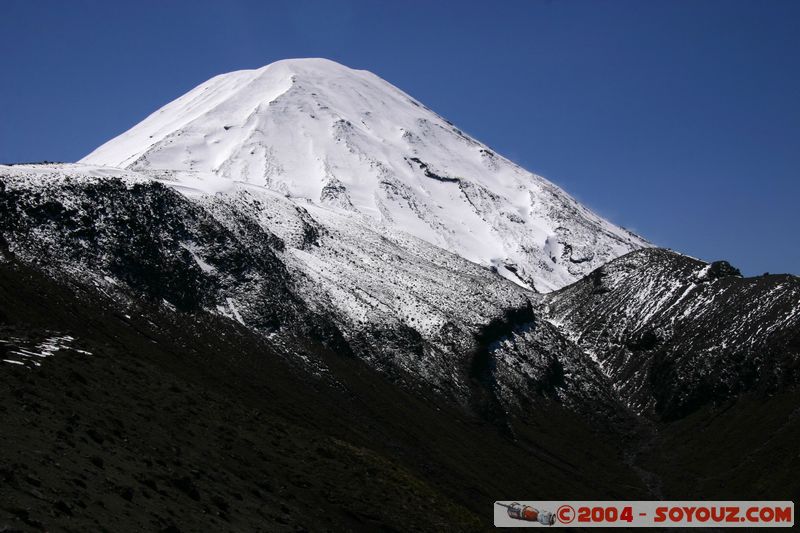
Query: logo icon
{"x": 527, "y": 513}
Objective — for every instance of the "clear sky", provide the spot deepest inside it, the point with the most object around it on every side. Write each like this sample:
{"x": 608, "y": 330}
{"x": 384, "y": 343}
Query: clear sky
{"x": 679, "y": 120}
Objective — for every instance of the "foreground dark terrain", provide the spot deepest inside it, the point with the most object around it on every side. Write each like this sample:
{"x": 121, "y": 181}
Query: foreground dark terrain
{"x": 196, "y": 423}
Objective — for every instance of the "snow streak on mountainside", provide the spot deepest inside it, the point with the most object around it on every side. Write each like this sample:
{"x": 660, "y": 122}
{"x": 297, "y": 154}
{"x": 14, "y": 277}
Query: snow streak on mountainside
{"x": 673, "y": 333}
{"x": 319, "y": 132}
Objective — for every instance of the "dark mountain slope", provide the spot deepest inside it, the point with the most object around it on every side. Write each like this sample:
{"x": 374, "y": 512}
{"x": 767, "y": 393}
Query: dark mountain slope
{"x": 743, "y": 448}
{"x": 674, "y": 333}
{"x": 141, "y": 239}
{"x": 136, "y": 238}
{"x": 223, "y": 389}
{"x": 188, "y": 421}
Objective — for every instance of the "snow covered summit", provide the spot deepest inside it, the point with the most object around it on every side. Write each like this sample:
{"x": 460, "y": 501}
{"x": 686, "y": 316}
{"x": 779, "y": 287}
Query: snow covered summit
{"x": 348, "y": 141}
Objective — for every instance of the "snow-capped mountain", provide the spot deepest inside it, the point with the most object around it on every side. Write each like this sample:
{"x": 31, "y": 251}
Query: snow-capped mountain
{"x": 307, "y": 199}
{"x": 331, "y": 136}
{"x": 297, "y": 287}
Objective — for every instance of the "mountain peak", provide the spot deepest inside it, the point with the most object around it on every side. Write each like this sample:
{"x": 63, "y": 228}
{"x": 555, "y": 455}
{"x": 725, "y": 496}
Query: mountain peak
{"x": 309, "y": 64}
{"x": 318, "y": 131}
{"x": 308, "y": 67}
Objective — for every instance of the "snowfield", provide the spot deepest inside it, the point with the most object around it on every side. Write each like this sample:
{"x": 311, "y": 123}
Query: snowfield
{"x": 325, "y": 135}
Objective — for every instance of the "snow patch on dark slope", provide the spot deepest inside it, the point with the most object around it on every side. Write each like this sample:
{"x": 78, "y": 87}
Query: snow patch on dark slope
{"x": 320, "y": 132}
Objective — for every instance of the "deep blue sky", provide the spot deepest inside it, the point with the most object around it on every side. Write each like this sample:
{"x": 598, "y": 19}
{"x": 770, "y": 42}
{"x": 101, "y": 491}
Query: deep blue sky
{"x": 679, "y": 120}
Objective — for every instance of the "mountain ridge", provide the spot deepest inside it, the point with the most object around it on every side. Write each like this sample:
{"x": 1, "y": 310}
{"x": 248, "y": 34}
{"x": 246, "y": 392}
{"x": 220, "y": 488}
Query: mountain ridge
{"x": 674, "y": 333}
